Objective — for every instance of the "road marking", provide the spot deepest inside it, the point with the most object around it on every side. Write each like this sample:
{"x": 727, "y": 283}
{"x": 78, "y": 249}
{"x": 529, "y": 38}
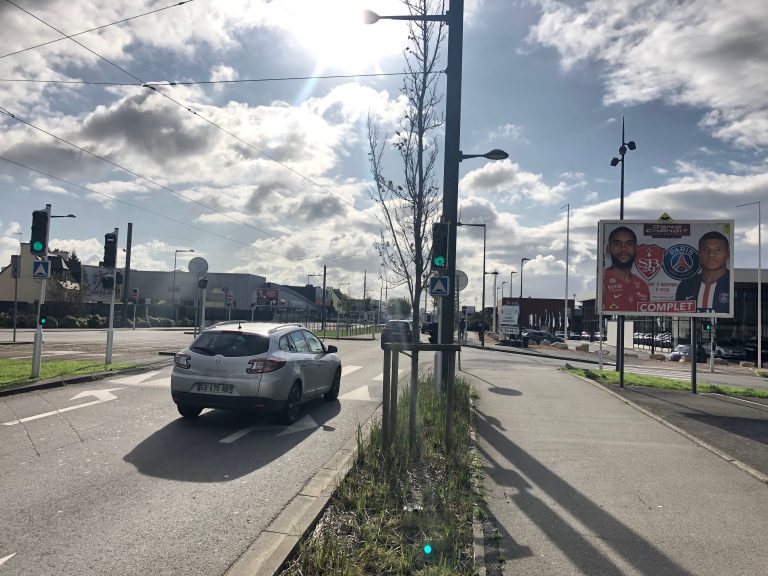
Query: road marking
{"x": 380, "y": 377}
{"x": 136, "y": 378}
{"x": 361, "y": 393}
{"x": 347, "y": 370}
{"x": 102, "y": 395}
{"x": 306, "y": 423}
{"x": 4, "y": 560}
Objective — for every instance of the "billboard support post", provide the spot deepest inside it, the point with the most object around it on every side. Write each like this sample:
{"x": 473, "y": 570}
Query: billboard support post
{"x": 694, "y": 354}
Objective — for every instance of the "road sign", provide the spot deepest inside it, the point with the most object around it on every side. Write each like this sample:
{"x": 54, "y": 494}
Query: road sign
{"x": 461, "y": 280}
{"x": 41, "y": 269}
{"x": 438, "y": 286}
{"x": 230, "y": 298}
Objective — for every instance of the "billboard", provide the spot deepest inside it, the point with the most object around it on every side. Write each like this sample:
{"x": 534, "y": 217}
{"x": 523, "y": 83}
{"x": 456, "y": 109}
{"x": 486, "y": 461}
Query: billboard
{"x": 267, "y": 296}
{"x": 509, "y": 318}
{"x": 92, "y": 282}
{"x": 665, "y": 268}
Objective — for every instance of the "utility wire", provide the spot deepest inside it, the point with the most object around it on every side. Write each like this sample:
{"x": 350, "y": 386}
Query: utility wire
{"x": 192, "y": 111}
{"x": 94, "y": 29}
{"x": 147, "y": 179}
{"x": 147, "y": 210}
{"x": 204, "y": 82}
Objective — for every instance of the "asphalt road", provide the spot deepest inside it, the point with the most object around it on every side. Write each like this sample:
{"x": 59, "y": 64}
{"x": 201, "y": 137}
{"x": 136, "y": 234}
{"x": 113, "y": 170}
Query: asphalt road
{"x": 121, "y": 484}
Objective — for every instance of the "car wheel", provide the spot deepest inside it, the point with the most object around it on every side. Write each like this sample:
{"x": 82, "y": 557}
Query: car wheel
{"x": 333, "y": 393}
{"x": 189, "y": 411}
{"x": 291, "y": 408}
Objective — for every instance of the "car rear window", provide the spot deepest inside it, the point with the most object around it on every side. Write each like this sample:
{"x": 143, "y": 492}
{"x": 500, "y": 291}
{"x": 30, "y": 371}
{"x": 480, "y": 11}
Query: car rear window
{"x": 230, "y": 344}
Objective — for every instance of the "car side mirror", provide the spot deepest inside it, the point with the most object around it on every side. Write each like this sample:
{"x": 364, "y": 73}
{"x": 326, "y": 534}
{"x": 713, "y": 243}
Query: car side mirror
{"x": 331, "y": 349}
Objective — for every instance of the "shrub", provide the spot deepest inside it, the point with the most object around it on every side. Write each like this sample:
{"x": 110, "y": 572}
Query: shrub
{"x": 52, "y": 322}
{"x": 69, "y": 322}
{"x": 94, "y": 321}
{"x": 141, "y": 323}
{"x": 164, "y": 322}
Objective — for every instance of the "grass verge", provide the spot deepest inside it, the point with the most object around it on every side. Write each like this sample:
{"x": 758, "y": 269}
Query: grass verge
{"x": 391, "y": 507}
{"x": 612, "y": 377}
{"x": 14, "y": 372}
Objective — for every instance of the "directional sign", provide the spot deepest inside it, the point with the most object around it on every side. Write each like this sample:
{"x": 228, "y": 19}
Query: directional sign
{"x": 41, "y": 269}
{"x": 438, "y": 286}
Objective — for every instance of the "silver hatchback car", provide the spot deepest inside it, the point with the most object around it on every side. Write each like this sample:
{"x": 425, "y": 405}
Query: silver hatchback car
{"x": 262, "y": 366}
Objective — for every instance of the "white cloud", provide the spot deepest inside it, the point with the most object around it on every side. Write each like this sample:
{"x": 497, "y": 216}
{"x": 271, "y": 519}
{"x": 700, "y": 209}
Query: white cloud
{"x": 505, "y": 181}
{"x": 703, "y": 53}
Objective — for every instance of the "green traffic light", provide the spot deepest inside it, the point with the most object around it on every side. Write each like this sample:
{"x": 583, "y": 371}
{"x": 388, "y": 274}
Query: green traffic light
{"x": 43, "y": 320}
{"x": 37, "y": 245}
{"x": 439, "y": 261}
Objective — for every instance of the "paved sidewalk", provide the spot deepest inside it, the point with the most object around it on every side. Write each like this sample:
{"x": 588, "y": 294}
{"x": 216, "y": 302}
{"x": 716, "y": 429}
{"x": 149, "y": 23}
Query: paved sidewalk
{"x": 579, "y": 481}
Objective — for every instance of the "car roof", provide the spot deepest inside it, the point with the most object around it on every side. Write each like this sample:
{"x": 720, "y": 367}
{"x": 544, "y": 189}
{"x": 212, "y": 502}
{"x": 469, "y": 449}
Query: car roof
{"x": 263, "y": 328}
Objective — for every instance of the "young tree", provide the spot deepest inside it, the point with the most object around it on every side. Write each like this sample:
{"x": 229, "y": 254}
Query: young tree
{"x": 410, "y": 204}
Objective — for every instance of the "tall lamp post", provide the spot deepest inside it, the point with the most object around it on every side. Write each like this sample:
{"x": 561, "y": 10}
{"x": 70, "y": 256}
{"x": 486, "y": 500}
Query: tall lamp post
{"x": 520, "y": 312}
{"x": 567, "y": 245}
{"x": 511, "y": 276}
{"x": 173, "y": 288}
{"x": 502, "y": 290}
{"x": 522, "y": 263}
{"x": 620, "y": 337}
{"x": 495, "y": 275}
{"x": 306, "y": 319}
{"x": 482, "y": 314}
{"x": 759, "y": 285}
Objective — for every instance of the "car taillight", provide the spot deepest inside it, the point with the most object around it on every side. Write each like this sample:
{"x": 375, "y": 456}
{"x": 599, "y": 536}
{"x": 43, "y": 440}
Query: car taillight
{"x": 182, "y": 360}
{"x": 261, "y": 365}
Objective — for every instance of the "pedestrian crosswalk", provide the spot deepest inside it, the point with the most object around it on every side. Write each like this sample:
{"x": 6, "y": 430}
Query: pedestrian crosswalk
{"x": 660, "y": 373}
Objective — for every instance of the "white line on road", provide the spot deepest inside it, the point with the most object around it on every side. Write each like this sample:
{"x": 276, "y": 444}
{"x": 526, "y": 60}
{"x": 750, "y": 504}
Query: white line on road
{"x": 102, "y": 395}
{"x": 347, "y": 370}
{"x": 4, "y": 560}
{"x": 380, "y": 377}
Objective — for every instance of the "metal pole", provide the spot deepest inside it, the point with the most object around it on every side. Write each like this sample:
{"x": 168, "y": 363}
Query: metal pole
{"x": 495, "y": 274}
{"x": 110, "y": 330}
{"x": 482, "y": 310}
{"x": 322, "y": 312}
{"x": 759, "y": 291}
{"x": 202, "y": 310}
{"x": 567, "y": 244}
{"x": 620, "y": 321}
{"x": 16, "y": 274}
{"x": 173, "y": 288}
{"x": 127, "y": 273}
{"x": 455, "y": 19}
{"x": 37, "y": 347}
{"x": 693, "y": 355}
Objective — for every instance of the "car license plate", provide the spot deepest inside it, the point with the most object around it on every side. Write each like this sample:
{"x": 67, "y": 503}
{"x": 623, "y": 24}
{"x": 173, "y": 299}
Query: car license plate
{"x": 211, "y": 388}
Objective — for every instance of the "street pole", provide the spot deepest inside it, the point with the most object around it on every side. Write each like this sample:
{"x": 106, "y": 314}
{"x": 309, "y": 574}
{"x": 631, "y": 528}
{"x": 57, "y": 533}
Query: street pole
{"x": 110, "y": 330}
{"x": 567, "y": 244}
{"x": 37, "y": 347}
{"x": 495, "y": 275}
{"x": 482, "y": 310}
{"x": 16, "y": 273}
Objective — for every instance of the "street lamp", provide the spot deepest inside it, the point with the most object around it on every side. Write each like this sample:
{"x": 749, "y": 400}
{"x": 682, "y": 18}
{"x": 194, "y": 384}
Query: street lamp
{"x": 522, "y": 262}
{"x": 173, "y": 289}
{"x": 495, "y": 275}
{"x": 511, "y": 276}
{"x": 494, "y": 154}
{"x": 482, "y": 314}
{"x": 759, "y": 286}
{"x": 502, "y": 290}
{"x": 306, "y": 315}
{"x": 620, "y": 337}
{"x": 567, "y": 244}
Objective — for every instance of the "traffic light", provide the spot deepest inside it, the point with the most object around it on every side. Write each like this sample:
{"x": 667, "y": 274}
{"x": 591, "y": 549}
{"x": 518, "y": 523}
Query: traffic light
{"x": 110, "y": 250}
{"x": 707, "y": 325}
{"x": 43, "y": 315}
{"x": 38, "y": 241}
{"x": 107, "y": 282}
{"x": 439, "y": 258}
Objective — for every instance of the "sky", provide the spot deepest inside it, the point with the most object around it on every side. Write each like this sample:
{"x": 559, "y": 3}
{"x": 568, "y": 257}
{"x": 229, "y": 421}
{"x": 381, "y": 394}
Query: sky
{"x": 271, "y": 177}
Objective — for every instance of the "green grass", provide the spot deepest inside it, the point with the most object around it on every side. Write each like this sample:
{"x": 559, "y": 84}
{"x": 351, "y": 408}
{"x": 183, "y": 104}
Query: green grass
{"x": 371, "y": 525}
{"x": 18, "y": 371}
{"x": 761, "y": 373}
{"x": 612, "y": 377}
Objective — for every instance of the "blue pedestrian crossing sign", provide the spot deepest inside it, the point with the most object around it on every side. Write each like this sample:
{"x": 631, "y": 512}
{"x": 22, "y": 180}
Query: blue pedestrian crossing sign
{"x": 41, "y": 269}
{"x": 438, "y": 286}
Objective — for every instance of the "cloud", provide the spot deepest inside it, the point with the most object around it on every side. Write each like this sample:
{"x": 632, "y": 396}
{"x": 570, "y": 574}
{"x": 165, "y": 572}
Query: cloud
{"x": 506, "y": 182}
{"x": 702, "y": 53}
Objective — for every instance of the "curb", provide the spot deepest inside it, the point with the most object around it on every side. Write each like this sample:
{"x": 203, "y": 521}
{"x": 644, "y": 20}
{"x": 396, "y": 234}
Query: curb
{"x": 268, "y": 554}
{"x": 716, "y": 451}
{"x": 61, "y": 382}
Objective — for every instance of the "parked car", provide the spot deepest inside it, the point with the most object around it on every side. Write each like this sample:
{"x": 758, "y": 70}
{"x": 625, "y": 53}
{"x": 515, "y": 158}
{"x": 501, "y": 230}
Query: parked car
{"x": 560, "y": 334}
{"x": 750, "y": 347}
{"x": 254, "y": 365}
{"x": 538, "y": 336}
{"x": 574, "y": 336}
{"x": 596, "y": 336}
{"x": 398, "y": 331}
{"x": 683, "y": 351}
{"x": 729, "y": 349}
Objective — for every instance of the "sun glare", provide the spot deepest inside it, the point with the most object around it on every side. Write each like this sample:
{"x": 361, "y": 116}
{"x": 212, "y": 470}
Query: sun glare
{"x": 333, "y": 33}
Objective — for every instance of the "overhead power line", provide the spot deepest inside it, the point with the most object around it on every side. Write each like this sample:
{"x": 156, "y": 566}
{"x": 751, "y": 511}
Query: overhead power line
{"x": 192, "y": 111}
{"x": 147, "y": 179}
{"x": 96, "y": 28}
{"x": 160, "y": 84}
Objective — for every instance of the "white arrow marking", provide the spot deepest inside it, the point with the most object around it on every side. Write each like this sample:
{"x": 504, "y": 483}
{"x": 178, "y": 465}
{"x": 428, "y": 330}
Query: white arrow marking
{"x": 102, "y": 395}
{"x": 4, "y": 560}
{"x": 380, "y": 377}
{"x": 347, "y": 370}
{"x": 305, "y": 423}
{"x": 361, "y": 393}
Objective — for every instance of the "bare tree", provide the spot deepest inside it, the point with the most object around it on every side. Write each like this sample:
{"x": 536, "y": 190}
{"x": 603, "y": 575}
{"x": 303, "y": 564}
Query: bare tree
{"x": 409, "y": 207}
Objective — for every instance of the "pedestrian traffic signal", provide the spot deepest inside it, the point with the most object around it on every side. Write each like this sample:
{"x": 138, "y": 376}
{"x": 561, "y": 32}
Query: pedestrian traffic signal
{"x": 439, "y": 258}
{"x": 38, "y": 241}
{"x": 110, "y": 250}
{"x": 707, "y": 325}
{"x": 43, "y": 319}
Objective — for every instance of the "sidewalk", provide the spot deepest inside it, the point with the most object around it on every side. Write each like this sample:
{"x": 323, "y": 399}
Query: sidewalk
{"x": 579, "y": 481}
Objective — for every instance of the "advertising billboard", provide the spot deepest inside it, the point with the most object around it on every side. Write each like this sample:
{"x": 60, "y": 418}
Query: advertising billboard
{"x": 267, "y": 296}
{"x": 509, "y": 318}
{"x": 665, "y": 268}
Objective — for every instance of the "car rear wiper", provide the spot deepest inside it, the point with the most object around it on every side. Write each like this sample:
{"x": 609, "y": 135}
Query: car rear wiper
{"x": 203, "y": 350}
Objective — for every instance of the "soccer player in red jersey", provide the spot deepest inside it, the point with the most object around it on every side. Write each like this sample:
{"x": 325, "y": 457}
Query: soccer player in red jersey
{"x": 622, "y": 290}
